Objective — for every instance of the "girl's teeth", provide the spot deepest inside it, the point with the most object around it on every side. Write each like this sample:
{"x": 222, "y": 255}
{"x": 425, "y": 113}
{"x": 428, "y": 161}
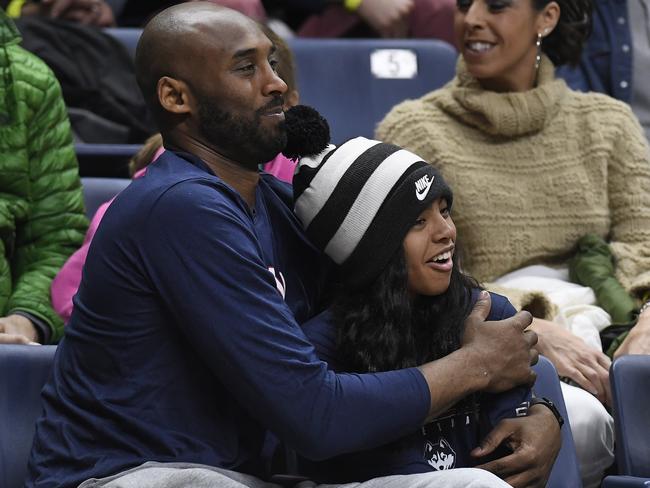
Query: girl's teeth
{"x": 443, "y": 257}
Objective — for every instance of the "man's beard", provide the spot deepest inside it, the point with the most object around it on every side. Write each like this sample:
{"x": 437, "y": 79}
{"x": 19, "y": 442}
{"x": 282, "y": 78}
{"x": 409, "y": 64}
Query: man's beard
{"x": 242, "y": 140}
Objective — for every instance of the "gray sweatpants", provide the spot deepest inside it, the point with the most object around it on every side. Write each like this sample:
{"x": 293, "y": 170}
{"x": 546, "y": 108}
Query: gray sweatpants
{"x": 185, "y": 475}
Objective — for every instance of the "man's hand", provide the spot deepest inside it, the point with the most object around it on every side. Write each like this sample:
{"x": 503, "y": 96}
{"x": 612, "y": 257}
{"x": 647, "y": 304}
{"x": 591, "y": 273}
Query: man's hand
{"x": 573, "y": 358}
{"x": 16, "y": 329}
{"x": 504, "y": 349}
{"x": 535, "y": 441}
{"x": 90, "y": 12}
{"x": 388, "y": 17}
{"x": 638, "y": 340}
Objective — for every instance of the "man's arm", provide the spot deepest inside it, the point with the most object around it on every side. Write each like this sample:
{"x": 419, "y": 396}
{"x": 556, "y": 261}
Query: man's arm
{"x": 494, "y": 357}
{"x": 204, "y": 258}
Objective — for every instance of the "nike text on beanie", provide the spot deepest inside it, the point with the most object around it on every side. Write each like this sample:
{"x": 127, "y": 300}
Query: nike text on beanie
{"x": 357, "y": 202}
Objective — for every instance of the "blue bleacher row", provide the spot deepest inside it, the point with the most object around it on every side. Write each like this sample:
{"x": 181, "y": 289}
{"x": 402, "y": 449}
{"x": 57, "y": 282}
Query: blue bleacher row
{"x": 353, "y": 83}
{"x": 24, "y": 370}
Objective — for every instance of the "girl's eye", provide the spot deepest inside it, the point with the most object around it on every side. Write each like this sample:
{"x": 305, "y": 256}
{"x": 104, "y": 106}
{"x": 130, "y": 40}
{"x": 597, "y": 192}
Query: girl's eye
{"x": 463, "y": 5}
{"x": 420, "y": 222}
{"x": 445, "y": 212}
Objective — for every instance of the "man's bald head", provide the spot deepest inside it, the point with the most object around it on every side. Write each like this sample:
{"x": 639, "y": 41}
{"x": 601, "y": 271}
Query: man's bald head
{"x": 173, "y": 43}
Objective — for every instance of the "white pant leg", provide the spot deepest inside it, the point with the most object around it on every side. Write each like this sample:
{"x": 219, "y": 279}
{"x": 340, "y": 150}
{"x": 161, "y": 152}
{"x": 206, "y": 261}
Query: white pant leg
{"x": 593, "y": 433}
{"x": 452, "y": 478}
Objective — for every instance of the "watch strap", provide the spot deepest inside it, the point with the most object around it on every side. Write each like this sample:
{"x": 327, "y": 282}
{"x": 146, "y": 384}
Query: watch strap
{"x": 550, "y": 405}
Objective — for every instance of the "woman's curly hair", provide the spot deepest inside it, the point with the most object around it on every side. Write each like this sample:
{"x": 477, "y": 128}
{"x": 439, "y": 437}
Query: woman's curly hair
{"x": 564, "y": 44}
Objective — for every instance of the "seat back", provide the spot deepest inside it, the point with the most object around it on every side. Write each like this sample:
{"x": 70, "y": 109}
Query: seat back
{"x": 23, "y": 372}
{"x": 128, "y": 36}
{"x": 630, "y": 380}
{"x": 99, "y": 190}
{"x": 353, "y": 83}
{"x": 566, "y": 471}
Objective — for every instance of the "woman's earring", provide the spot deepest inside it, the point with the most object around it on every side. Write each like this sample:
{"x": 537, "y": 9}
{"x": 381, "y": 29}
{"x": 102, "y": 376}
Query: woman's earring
{"x": 538, "y": 59}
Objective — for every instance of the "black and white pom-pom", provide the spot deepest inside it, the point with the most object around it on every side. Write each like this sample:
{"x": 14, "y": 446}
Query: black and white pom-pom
{"x": 308, "y": 133}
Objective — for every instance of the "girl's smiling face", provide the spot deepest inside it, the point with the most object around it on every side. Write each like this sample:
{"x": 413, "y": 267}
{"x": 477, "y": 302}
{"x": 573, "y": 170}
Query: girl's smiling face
{"x": 429, "y": 250}
{"x": 497, "y": 39}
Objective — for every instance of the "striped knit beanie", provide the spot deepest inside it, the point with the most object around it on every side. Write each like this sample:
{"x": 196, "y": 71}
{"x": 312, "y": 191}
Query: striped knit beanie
{"x": 357, "y": 202}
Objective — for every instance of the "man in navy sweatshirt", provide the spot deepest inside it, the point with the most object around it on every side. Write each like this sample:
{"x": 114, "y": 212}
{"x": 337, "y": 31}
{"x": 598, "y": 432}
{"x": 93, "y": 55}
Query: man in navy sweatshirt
{"x": 184, "y": 348}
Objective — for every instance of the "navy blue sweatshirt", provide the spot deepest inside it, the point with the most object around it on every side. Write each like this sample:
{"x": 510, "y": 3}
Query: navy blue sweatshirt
{"x": 185, "y": 345}
{"x": 445, "y": 443}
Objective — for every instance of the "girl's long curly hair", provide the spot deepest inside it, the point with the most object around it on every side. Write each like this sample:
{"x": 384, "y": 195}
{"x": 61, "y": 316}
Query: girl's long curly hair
{"x": 382, "y": 327}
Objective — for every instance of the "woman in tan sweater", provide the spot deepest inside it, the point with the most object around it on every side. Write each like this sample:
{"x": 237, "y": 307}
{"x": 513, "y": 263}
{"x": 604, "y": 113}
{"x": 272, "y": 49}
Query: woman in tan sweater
{"x": 536, "y": 166}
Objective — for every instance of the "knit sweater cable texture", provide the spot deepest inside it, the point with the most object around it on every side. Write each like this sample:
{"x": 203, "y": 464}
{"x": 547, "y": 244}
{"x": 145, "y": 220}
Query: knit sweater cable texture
{"x": 534, "y": 171}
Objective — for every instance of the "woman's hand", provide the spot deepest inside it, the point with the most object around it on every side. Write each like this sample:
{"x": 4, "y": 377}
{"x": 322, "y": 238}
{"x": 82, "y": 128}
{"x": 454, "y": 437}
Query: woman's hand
{"x": 638, "y": 340}
{"x": 535, "y": 441}
{"x": 573, "y": 358}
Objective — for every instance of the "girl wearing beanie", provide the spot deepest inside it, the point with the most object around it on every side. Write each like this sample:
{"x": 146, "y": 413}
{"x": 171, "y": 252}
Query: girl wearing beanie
{"x": 383, "y": 216}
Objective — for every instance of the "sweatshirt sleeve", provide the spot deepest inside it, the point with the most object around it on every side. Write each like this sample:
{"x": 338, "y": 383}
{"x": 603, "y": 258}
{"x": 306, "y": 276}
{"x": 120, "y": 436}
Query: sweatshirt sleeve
{"x": 500, "y": 406}
{"x": 217, "y": 286}
{"x": 629, "y": 203}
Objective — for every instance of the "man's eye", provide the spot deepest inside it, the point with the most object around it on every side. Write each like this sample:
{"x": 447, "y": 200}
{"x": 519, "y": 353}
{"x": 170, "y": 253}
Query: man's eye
{"x": 274, "y": 64}
{"x": 247, "y": 68}
{"x": 445, "y": 212}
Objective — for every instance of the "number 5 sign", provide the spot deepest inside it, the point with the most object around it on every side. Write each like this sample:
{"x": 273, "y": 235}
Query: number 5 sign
{"x": 394, "y": 63}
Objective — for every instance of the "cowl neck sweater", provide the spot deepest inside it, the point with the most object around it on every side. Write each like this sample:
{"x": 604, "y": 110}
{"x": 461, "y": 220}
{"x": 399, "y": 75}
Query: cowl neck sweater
{"x": 508, "y": 114}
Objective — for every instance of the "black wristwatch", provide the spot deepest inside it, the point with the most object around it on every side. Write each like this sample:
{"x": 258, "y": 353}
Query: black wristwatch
{"x": 548, "y": 404}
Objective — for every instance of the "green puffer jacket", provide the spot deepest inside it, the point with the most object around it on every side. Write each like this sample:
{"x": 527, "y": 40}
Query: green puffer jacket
{"x": 42, "y": 217}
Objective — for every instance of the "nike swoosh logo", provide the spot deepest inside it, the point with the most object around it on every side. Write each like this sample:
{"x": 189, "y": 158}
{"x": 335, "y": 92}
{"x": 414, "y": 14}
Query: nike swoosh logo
{"x": 421, "y": 195}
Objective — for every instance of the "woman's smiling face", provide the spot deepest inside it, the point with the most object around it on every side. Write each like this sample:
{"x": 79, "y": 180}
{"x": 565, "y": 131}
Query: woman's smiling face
{"x": 497, "y": 39}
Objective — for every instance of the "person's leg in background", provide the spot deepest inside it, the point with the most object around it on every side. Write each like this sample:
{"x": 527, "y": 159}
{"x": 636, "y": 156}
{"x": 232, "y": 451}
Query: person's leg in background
{"x": 593, "y": 433}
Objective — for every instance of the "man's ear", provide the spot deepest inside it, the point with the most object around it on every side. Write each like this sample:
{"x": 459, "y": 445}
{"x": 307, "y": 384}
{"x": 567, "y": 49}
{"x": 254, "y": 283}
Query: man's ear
{"x": 173, "y": 95}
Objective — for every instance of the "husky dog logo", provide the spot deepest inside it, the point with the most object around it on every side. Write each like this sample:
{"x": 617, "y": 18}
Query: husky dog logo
{"x": 440, "y": 455}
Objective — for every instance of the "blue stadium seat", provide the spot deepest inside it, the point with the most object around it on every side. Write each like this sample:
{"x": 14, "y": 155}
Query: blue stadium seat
{"x": 630, "y": 379}
{"x": 355, "y": 82}
{"x": 99, "y": 190}
{"x": 625, "y": 482}
{"x": 566, "y": 471}
{"x": 128, "y": 36}
{"x": 107, "y": 160}
{"x": 23, "y": 372}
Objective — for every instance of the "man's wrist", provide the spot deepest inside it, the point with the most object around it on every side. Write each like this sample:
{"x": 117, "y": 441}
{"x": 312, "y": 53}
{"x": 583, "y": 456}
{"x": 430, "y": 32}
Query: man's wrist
{"x": 549, "y": 405}
{"x": 480, "y": 376}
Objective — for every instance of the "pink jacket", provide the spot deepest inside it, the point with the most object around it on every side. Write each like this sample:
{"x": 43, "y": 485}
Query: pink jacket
{"x": 65, "y": 284}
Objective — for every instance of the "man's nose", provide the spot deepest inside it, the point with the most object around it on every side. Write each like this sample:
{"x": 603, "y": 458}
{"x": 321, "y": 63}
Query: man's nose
{"x": 274, "y": 85}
